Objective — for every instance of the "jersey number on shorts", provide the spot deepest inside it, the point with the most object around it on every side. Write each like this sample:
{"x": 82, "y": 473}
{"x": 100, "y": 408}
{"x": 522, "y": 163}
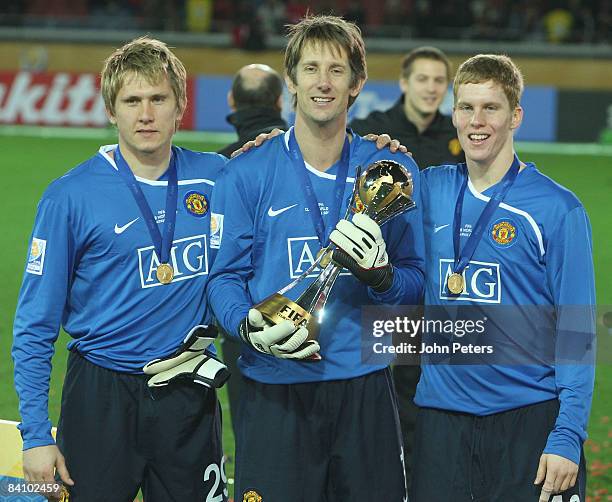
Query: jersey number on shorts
{"x": 219, "y": 474}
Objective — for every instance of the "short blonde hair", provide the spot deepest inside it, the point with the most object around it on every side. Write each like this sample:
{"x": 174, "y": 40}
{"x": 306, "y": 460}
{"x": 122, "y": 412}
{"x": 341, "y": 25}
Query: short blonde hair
{"x": 341, "y": 34}
{"x": 148, "y": 58}
{"x": 497, "y": 68}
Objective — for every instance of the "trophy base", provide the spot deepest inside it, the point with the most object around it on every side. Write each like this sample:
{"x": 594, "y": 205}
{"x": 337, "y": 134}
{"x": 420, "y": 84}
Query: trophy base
{"x": 278, "y": 308}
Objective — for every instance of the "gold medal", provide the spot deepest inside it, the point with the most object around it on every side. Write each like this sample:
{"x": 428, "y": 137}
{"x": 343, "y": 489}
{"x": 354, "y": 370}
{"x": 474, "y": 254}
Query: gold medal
{"x": 165, "y": 273}
{"x": 326, "y": 257}
{"x": 64, "y": 495}
{"x": 455, "y": 283}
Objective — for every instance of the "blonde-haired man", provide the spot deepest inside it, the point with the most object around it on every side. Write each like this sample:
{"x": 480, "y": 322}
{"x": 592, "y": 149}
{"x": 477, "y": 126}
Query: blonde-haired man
{"x": 119, "y": 260}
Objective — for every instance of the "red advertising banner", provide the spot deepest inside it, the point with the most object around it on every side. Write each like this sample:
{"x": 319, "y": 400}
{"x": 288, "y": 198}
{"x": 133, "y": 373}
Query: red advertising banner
{"x": 59, "y": 99}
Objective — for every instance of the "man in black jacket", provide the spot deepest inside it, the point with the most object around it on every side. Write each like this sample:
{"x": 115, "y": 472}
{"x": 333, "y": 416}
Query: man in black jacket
{"x": 415, "y": 119}
{"x": 431, "y": 137}
{"x": 256, "y": 103}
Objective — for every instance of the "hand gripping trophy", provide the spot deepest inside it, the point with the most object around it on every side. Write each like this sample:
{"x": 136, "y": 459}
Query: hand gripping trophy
{"x": 382, "y": 192}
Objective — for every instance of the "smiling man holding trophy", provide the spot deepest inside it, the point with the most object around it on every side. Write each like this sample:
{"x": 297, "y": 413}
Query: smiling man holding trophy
{"x": 382, "y": 192}
{"x": 282, "y": 243}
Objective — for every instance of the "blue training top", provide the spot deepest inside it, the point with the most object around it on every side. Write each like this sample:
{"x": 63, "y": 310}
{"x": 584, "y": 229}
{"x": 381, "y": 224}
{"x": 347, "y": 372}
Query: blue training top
{"x": 266, "y": 238}
{"x": 535, "y": 251}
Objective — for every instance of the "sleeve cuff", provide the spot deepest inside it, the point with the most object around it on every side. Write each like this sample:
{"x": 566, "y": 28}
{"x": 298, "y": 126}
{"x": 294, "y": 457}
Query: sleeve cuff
{"x": 239, "y": 315}
{"x": 565, "y": 444}
{"x": 389, "y": 296}
{"x": 36, "y": 435}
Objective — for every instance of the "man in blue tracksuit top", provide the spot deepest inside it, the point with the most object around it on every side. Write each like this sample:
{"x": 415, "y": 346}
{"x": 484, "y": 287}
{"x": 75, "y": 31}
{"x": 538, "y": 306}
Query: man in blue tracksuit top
{"x": 497, "y": 427}
{"x": 323, "y": 430}
{"x": 119, "y": 258}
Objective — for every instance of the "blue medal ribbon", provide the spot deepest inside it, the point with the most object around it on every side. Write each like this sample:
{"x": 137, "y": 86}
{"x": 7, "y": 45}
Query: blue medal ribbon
{"x": 463, "y": 258}
{"x": 162, "y": 245}
{"x": 310, "y": 196}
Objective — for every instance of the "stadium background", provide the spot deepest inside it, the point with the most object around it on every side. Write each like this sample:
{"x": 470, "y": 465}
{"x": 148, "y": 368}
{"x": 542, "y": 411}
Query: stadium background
{"x": 51, "y": 118}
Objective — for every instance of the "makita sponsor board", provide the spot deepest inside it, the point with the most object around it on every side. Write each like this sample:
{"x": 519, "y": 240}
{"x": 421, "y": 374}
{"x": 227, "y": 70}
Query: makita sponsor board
{"x": 59, "y": 99}
{"x": 74, "y": 99}
{"x": 51, "y": 99}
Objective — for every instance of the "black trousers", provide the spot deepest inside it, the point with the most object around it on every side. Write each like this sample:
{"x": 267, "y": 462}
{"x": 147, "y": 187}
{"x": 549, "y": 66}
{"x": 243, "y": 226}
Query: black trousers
{"x": 119, "y": 436}
{"x": 494, "y": 458}
{"x": 332, "y": 441}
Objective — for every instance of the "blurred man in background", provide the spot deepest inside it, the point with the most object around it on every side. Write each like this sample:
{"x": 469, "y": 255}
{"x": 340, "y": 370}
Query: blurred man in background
{"x": 415, "y": 120}
{"x": 432, "y": 139}
{"x": 256, "y": 100}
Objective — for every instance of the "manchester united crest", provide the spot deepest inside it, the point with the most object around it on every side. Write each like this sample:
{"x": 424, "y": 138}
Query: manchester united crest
{"x": 251, "y": 496}
{"x": 196, "y": 203}
{"x": 454, "y": 147}
{"x": 503, "y": 232}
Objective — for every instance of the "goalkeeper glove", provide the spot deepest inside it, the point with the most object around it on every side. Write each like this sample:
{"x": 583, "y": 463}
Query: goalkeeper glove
{"x": 282, "y": 340}
{"x": 362, "y": 250}
{"x": 189, "y": 361}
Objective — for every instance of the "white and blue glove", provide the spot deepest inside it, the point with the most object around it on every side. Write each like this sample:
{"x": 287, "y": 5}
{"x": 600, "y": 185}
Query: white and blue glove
{"x": 190, "y": 361}
{"x": 282, "y": 340}
{"x": 362, "y": 250}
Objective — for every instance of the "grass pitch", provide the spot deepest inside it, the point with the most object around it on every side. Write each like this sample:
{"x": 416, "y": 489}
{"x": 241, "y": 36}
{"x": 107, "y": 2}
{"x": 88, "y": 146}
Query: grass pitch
{"x": 29, "y": 163}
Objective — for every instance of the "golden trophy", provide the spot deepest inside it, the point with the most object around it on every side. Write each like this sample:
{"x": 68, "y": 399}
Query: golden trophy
{"x": 382, "y": 191}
